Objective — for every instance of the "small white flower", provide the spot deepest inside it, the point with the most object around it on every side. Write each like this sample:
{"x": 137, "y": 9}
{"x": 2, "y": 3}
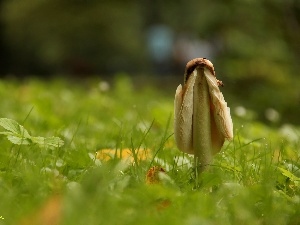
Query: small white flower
{"x": 104, "y": 86}
{"x": 272, "y": 115}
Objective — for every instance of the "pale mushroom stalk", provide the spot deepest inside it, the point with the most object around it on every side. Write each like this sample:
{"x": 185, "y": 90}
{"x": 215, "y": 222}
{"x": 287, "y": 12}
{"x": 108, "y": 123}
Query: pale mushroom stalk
{"x": 202, "y": 119}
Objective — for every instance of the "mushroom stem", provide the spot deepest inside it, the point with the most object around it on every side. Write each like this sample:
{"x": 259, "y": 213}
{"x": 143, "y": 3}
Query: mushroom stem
{"x": 201, "y": 122}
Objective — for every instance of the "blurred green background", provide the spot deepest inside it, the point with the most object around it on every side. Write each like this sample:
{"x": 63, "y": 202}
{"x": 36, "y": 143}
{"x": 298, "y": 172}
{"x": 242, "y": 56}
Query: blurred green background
{"x": 253, "y": 44}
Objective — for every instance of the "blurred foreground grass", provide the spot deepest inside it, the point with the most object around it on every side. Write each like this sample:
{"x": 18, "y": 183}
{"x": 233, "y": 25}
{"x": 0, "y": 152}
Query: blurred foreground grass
{"x": 254, "y": 180}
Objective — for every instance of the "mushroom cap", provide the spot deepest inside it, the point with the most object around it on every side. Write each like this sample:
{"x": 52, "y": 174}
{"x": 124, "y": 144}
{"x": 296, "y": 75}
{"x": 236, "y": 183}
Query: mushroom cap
{"x": 221, "y": 126}
{"x": 197, "y": 62}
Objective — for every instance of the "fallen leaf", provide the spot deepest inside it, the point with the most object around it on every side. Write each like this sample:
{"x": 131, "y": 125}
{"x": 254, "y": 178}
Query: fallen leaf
{"x": 50, "y": 213}
{"x": 152, "y": 176}
{"x": 108, "y": 154}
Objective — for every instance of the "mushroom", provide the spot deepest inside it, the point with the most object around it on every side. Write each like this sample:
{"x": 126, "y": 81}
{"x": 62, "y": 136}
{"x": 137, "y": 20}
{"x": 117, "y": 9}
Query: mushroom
{"x": 202, "y": 119}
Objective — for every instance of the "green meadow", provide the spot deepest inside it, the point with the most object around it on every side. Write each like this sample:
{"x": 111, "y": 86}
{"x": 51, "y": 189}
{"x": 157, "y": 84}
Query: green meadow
{"x": 49, "y": 172}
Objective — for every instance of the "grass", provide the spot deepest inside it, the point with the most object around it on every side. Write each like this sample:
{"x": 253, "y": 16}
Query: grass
{"x": 254, "y": 180}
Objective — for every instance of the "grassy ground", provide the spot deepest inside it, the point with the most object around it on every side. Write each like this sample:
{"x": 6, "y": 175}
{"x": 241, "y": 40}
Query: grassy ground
{"x": 254, "y": 180}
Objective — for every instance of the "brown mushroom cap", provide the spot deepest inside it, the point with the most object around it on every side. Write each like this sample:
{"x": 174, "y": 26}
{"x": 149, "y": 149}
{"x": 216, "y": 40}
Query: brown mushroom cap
{"x": 221, "y": 126}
